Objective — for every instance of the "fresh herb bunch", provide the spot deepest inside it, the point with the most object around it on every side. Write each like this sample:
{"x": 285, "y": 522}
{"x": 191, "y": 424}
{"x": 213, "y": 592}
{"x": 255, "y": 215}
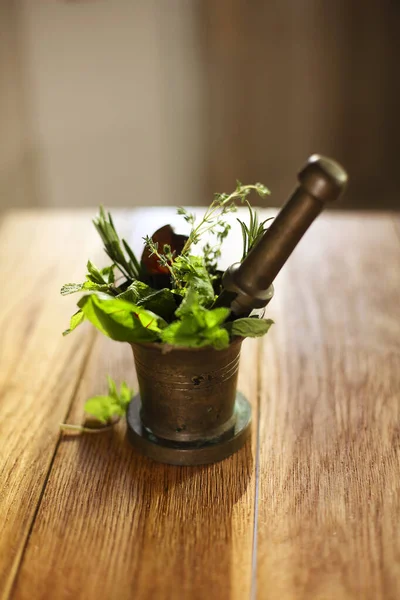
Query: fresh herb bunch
{"x": 106, "y": 409}
{"x": 173, "y": 303}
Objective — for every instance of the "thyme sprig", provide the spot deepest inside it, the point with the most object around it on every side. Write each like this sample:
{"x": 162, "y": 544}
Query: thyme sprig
{"x": 213, "y": 219}
{"x": 165, "y": 258}
{"x": 213, "y": 222}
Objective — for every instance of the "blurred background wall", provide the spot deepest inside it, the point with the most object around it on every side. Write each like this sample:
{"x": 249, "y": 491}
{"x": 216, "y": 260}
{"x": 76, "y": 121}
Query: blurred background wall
{"x": 139, "y": 102}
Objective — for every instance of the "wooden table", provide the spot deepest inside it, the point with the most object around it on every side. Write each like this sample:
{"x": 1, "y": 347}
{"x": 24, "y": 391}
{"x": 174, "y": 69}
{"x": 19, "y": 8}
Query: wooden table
{"x": 310, "y": 508}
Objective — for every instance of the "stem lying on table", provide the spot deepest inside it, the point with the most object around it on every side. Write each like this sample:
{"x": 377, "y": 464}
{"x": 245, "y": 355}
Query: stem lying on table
{"x": 82, "y": 429}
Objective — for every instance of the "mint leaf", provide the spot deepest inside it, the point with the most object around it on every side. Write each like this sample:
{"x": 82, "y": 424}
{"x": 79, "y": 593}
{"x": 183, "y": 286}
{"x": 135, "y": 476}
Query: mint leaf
{"x": 103, "y": 408}
{"x": 217, "y": 337}
{"x": 76, "y": 320}
{"x": 108, "y": 274}
{"x": 136, "y": 291}
{"x": 185, "y": 333}
{"x": 94, "y": 274}
{"x": 98, "y": 280}
{"x": 249, "y": 327}
{"x": 162, "y": 302}
{"x": 189, "y": 303}
{"x": 216, "y": 316}
{"x": 72, "y": 288}
{"x": 112, "y": 388}
{"x": 120, "y": 320}
{"x": 106, "y": 408}
{"x": 125, "y": 395}
{"x": 197, "y": 326}
{"x": 192, "y": 270}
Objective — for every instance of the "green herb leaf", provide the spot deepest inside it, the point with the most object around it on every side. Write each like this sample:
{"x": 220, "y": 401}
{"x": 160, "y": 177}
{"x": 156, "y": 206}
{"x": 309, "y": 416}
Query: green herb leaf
{"x": 120, "y": 320}
{"x": 125, "y": 395}
{"x": 192, "y": 271}
{"x": 189, "y": 333}
{"x": 106, "y": 408}
{"x": 108, "y": 273}
{"x": 218, "y": 337}
{"x": 112, "y": 388}
{"x": 72, "y": 288}
{"x": 136, "y": 292}
{"x": 249, "y": 327}
{"x": 162, "y": 302}
{"x": 253, "y": 232}
{"x": 189, "y": 303}
{"x": 215, "y": 317}
{"x": 76, "y": 320}
{"x": 220, "y": 206}
{"x": 94, "y": 274}
{"x": 197, "y": 326}
{"x": 103, "y": 408}
{"x": 129, "y": 267}
{"x": 99, "y": 280}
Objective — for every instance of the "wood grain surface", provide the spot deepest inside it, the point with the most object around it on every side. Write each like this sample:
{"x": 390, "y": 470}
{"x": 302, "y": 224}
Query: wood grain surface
{"x": 39, "y": 371}
{"x": 310, "y": 508}
{"x": 123, "y": 526}
{"x": 329, "y": 514}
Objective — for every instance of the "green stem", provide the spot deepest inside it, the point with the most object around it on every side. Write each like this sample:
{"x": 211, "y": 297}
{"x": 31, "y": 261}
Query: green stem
{"x": 82, "y": 429}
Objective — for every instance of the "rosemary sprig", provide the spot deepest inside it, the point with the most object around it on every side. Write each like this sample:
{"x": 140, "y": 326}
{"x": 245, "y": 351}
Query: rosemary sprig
{"x": 253, "y": 232}
{"x": 129, "y": 266}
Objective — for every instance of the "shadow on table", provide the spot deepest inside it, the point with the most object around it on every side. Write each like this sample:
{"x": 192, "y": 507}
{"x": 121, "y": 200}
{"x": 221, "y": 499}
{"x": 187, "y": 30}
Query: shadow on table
{"x": 177, "y": 521}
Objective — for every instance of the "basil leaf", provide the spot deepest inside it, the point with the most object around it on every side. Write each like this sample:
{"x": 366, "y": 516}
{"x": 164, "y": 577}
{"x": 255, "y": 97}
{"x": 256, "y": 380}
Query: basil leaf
{"x": 120, "y": 320}
{"x": 249, "y": 327}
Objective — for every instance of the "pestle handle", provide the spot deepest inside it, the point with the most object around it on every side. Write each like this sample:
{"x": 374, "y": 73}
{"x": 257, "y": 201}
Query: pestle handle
{"x": 321, "y": 181}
